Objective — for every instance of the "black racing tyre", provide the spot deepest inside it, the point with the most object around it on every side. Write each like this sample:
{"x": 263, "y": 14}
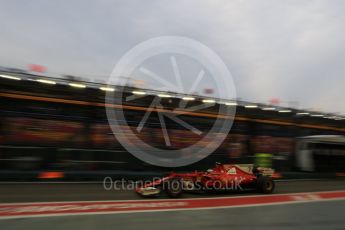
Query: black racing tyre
{"x": 265, "y": 184}
{"x": 174, "y": 188}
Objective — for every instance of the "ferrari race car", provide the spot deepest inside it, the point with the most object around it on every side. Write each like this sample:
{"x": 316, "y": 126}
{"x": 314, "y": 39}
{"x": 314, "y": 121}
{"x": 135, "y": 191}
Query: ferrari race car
{"x": 223, "y": 177}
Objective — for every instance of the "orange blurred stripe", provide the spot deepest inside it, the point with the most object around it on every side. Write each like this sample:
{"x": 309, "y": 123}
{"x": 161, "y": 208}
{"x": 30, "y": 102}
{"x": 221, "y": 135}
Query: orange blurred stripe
{"x": 342, "y": 174}
{"x": 277, "y": 175}
{"x": 51, "y": 175}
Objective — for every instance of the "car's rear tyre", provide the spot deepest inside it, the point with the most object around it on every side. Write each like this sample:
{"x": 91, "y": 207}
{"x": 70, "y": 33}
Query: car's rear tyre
{"x": 265, "y": 184}
{"x": 174, "y": 188}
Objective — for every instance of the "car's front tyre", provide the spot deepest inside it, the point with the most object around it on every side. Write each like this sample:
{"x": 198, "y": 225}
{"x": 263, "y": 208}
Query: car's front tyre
{"x": 174, "y": 188}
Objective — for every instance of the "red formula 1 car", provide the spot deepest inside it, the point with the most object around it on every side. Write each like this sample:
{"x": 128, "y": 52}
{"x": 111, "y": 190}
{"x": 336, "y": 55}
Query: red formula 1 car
{"x": 224, "y": 177}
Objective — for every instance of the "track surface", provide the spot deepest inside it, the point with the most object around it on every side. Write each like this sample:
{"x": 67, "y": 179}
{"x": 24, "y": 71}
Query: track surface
{"x": 307, "y": 216}
{"x": 39, "y": 192}
{"x": 315, "y": 215}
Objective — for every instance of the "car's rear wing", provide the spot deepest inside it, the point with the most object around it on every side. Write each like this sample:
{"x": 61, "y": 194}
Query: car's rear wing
{"x": 265, "y": 171}
{"x": 248, "y": 168}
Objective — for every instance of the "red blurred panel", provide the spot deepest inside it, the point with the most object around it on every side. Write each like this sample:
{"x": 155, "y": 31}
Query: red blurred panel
{"x": 21, "y": 130}
{"x": 274, "y": 101}
{"x": 37, "y": 68}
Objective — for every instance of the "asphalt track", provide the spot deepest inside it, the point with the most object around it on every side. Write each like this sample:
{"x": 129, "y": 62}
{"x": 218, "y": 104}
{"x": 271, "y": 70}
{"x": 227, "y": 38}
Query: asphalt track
{"x": 327, "y": 214}
{"x": 306, "y": 216}
{"x": 48, "y": 192}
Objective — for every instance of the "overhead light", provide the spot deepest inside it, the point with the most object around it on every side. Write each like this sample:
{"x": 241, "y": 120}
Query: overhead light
{"x": 317, "y": 115}
{"x": 208, "y": 101}
{"x": 10, "y": 77}
{"x": 284, "y": 111}
{"x": 269, "y": 108}
{"x": 107, "y": 89}
{"x": 334, "y": 118}
{"x": 138, "y": 92}
{"x": 331, "y": 117}
{"x": 231, "y": 103}
{"x": 46, "y": 81}
{"x": 77, "y": 85}
{"x": 250, "y": 106}
{"x": 188, "y": 98}
{"x": 302, "y": 113}
{"x": 164, "y": 95}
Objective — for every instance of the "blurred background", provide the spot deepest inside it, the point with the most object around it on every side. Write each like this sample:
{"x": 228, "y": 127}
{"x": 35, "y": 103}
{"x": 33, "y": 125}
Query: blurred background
{"x": 60, "y": 125}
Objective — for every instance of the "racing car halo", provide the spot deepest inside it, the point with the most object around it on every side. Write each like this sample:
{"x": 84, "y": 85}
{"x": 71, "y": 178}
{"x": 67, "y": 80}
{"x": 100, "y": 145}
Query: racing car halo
{"x": 224, "y": 177}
